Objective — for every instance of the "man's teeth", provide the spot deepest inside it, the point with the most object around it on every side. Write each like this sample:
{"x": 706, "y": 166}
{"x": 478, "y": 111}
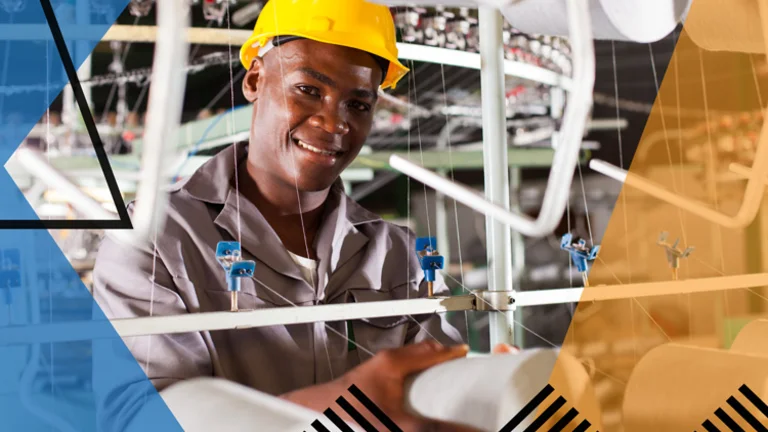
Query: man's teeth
{"x": 304, "y": 145}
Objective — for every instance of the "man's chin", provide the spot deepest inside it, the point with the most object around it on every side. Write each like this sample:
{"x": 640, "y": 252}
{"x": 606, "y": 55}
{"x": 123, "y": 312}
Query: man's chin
{"x": 315, "y": 185}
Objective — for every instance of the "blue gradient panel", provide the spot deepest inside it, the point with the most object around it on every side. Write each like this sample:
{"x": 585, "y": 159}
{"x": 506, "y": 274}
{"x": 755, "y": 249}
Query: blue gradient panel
{"x": 66, "y": 386}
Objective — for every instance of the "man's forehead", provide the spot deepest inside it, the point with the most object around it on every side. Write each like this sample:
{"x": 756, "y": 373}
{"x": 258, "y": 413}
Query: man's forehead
{"x": 304, "y": 52}
{"x": 324, "y": 61}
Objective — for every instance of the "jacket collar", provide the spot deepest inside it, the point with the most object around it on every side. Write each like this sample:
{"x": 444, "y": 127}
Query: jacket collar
{"x": 338, "y": 239}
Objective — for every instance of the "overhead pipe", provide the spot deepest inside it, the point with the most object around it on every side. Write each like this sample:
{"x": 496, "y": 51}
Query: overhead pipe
{"x": 566, "y": 151}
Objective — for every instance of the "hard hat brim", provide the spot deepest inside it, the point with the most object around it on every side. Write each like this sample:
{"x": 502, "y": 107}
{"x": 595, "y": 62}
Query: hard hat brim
{"x": 396, "y": 71}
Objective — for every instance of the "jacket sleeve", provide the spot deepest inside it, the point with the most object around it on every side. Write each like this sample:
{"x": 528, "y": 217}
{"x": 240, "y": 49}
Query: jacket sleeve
{"x": 130, "y": 282}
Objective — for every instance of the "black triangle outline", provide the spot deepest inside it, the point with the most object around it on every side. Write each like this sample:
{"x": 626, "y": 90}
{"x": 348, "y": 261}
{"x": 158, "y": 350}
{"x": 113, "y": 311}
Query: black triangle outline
{"x": 124, "y": 222}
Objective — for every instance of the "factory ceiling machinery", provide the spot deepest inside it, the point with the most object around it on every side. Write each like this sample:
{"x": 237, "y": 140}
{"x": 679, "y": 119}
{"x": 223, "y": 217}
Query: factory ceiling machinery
{"x": 414, "y": 117}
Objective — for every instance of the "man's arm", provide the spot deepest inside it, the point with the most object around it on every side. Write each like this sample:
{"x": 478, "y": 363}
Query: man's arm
{"x": 123, "y": 288}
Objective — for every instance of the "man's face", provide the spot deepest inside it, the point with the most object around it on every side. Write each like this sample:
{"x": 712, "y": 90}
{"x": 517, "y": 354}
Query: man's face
{"x": 313, "y": 110}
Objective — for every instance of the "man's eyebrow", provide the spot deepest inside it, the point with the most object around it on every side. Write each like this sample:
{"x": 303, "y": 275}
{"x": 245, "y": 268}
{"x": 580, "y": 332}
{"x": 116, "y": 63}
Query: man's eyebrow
{"x": 365, "y": 94}
{"x": 323, "y": 78}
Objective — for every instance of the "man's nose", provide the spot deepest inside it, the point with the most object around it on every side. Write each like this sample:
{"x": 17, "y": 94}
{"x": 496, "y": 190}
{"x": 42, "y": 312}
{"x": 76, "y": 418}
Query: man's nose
{"x": 331, "y": 121}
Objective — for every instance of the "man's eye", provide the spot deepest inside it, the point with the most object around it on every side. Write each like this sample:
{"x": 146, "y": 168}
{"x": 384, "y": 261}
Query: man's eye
{"x": 309, "y": 90}
{"x": 360, "y": 106}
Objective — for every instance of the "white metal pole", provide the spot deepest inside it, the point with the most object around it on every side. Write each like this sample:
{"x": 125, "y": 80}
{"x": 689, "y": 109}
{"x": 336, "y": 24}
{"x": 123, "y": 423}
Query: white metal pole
{"x": 213, "y": 321}
{"x": 166, "y": 98}
{"x": 36, "y": 164}
{"x": 441, "y": 215}
{"x": 497, "y": 234}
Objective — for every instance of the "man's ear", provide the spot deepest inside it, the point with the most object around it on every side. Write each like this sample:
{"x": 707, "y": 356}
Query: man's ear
{"x": 253, "y": 79}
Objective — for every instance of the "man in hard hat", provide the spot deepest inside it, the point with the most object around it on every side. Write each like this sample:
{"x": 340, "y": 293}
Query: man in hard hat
{"x": 314, "y": 71}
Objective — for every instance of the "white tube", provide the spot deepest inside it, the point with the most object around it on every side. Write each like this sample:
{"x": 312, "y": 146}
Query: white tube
{"x": 742, "y": 171}
{"x": 566, "y": 153}
{"x": 34, "y": 162}
{"x": 166, "y": 98}
{"x": 212, "y": 321}
{"x": 746, "y": 213}
{"x": 609, "y": 170}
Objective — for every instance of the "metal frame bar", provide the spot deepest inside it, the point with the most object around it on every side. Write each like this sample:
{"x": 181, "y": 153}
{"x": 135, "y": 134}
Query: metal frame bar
{"x": 213, "y": 321}
{"x": 567, "y": 146}
{"x": 495, "y": 167}
{"x": 38, "y": 166}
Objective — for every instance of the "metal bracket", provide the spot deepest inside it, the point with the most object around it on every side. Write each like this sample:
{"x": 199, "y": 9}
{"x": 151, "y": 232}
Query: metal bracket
{"x": 494, "y": 300}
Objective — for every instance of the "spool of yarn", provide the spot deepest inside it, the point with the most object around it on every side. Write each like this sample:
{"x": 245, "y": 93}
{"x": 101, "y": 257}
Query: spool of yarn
{"x": 752, "y": 339}
{"x": 726, "y": 25}
{"x": 626, "y": 20}
{"x": 487, "y": 392}
{"x": 675, "y": 388}
{"x": 213, "y": 404}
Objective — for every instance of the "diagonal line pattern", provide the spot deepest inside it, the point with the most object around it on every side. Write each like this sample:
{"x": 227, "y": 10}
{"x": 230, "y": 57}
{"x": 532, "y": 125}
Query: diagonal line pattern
{"x": 375, "y": 410}
{"x": 355, "y": 414}
{"x": 546, "y": 415}
{"x": 728, "y": 421}
{"x": 567, "y": 418}
{"x": 528, "y": 409}
{"x": 124, "y": 222}
{"x": 341, "y": 424}
{"x": 752, "y": 397}
{"x": 582, "y": 426}
{"x": 743, "y": 412}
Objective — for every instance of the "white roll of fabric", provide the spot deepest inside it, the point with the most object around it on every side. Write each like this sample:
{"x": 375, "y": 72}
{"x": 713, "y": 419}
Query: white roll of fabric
{"x": 625, "y": 20}
{"x": 752, "y": 339}
{"x": 213, "y": 404}
{"x": 726, "y": 25}
{"x": 487, "y": 392}
{"x": 675, "y": 388}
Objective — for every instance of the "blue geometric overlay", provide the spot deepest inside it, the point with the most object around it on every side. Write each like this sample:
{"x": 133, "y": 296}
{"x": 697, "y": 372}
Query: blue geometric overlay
{"x": 63, "y": 386}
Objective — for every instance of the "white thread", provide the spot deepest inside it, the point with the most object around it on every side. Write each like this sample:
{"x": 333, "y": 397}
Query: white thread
{"x": 296, "y": 183}
{"x": 455, "y": 203}
{"x": 234, "y": 128}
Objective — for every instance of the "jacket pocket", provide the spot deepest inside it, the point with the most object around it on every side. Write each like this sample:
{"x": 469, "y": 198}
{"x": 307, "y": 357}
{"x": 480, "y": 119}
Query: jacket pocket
{"x": 371, "y": 335}
{"x": 369, "y": 295}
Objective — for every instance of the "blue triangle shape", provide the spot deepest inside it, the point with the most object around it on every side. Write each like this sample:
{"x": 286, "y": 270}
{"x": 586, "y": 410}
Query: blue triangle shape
{"x": 70, "y": 386}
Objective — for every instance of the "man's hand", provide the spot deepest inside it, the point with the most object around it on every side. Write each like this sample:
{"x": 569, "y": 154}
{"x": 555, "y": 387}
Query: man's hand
{"x": 503, "y": 348}
{"x": 382, "y": 379}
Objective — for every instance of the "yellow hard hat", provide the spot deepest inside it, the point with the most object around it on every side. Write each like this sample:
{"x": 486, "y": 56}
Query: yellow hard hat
{"x": 356, "y": 24}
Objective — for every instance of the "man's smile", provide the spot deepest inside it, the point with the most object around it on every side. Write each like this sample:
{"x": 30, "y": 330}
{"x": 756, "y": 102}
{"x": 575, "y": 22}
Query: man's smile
{"x": 318, "y": 153}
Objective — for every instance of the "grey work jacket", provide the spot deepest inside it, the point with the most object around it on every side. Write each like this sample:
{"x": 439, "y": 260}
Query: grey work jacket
{"x": 361, "y": 258}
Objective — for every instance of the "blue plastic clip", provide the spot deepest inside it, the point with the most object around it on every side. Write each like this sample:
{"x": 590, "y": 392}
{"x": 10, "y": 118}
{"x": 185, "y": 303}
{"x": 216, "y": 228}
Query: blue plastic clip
{"x": 228, "y": 253}
{"x": 429, "y": 260}
{"x": 235, "y": 274}
{"x": 430, "y": 264}
{"x": 426, "y": 245}
{"x": 580, "y": 253}
{"x": 238, "y": 271}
